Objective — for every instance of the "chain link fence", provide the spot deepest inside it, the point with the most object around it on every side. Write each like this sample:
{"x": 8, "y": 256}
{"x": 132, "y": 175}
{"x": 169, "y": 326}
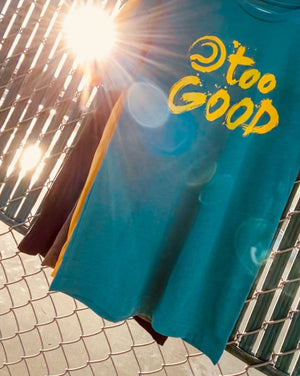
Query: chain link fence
{"x": 44, "y": 103}
{"x": 267, "y": 333}
{"x": 48, "y": 333}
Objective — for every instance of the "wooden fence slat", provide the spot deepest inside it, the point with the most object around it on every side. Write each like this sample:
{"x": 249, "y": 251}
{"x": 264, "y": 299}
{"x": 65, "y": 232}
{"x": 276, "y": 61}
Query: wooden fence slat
{"x": 8, "y": 16}
{"x": 271, "y": 282}
{"x": 10, "y": 38}
{"x": 24, "y": 184}
{"x": 282, "y": 308}
{"x": 20, "y": 48}
{"x": 296, "y": 371}
{"x": 34, "y": 192}
{"x": 290, "y": 343}
{"x": 39, "y": 95}
{"x": 17, "y": 80}
{"x": 69, "y": 108}
{"x": 250, "y": 295}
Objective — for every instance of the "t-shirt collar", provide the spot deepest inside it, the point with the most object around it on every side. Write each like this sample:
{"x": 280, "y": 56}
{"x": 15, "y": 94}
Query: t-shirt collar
{"x": 272, "y": 10}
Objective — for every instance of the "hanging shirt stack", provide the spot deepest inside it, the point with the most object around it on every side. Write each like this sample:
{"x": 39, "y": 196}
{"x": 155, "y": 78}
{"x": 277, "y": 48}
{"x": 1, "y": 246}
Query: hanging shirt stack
{"x": 179, "y": 210}
{"x": 47, "y": 237}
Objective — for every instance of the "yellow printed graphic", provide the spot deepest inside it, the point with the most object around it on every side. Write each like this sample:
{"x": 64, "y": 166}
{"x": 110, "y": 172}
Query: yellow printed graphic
{"x": 267, "y": 83}
{"x": 249, "y": 78}
{"x": 266, "y": 107}
{"x": 249, "y": 107}
{"x": 214, "y": 61}
{"x": 210, "y": 54}
{"x": 235, "y": 60}
{"x": 193, "y": 99}
{"x": 213, "y": 100}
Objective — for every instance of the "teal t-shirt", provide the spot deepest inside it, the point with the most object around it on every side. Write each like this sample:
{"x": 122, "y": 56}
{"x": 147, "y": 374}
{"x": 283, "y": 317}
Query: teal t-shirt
{"x": 183, "y": 210}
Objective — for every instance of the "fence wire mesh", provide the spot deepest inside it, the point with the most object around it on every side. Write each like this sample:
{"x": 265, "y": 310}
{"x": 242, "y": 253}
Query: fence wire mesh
{"x": 267, "y": 333}
{"x": 44, "y": 103}
{"x": 47, "y": 333}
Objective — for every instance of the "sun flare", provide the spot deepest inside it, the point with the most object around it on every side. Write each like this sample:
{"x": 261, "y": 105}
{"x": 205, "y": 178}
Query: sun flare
{"x": 30, "y": 157}
{"x": 90, "y": 33}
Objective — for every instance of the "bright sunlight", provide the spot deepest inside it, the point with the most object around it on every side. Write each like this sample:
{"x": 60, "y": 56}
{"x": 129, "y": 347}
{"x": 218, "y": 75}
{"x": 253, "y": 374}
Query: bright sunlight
{"x": 90, "y": 33}
{"x": 30, "y": 157}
